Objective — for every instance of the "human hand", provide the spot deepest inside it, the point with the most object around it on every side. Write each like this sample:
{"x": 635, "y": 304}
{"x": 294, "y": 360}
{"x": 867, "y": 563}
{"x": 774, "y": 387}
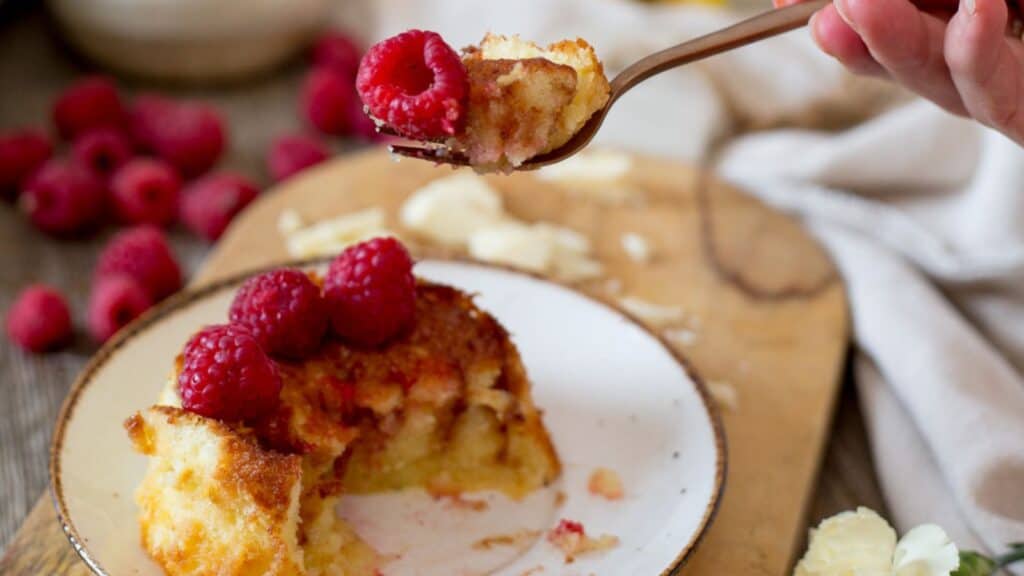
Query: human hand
{"x": 960, "y": 57}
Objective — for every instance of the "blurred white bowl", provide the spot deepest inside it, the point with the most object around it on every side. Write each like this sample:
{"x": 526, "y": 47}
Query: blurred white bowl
{"x": 190, "y": 40}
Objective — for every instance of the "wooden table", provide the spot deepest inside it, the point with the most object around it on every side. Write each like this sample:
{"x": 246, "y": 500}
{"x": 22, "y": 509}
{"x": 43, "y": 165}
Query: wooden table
{"x": 34, "y": 67}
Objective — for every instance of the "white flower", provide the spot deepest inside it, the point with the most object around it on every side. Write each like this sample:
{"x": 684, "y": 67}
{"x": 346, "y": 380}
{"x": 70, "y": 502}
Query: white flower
{"x": 860, "y": 543}
{"x": 925, "y": 551}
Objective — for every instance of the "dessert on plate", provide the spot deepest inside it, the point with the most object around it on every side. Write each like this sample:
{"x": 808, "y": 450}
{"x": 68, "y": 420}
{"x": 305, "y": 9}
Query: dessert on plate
{"x": 500, "y": 102}
{"x": 365, "y": 380}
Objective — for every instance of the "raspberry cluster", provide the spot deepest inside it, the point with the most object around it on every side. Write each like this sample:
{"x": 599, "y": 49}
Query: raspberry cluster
{"x": 368, "y": 297}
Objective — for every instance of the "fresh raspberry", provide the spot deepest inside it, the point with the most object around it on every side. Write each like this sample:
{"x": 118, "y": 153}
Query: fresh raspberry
{"x": 226, "y": 375}
{"x": 115, "y": 301}
{"x": 209, "y": 204}
{"x": 39, "y": 319}
{"x": 189, "y": 135}
{"x": 370, "y": 291}
{"x": 141, "y": 253}
{"x": 326, "y": 99}
{"x": 289, "y": 155}
{"x": 337, "y": 51}
{"x": 86, "y": 105}
{"x": 145, "y": 191}
{"x": 63, "y": 198}
{"x": 102, "y": 150}
{"x": 416, "y": 84}
{"x": 283, "y": 309}
{"x": 21, "y": 153}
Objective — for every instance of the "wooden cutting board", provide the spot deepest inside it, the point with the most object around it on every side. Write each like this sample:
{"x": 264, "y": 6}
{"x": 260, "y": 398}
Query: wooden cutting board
{"x": 763, "y": 306}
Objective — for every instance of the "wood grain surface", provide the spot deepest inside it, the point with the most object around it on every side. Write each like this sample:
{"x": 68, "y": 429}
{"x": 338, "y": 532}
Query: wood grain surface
{"x": 34, "y": 68}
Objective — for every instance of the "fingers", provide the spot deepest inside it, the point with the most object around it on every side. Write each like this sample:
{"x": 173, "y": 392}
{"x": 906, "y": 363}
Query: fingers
{"x": 987, "y": 68}
{"x": 837, "y": 39}
{"x": 907, "y": 43}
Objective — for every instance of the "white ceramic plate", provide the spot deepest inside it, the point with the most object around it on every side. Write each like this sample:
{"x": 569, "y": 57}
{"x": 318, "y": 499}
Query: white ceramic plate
{"x": 613, "y": 394}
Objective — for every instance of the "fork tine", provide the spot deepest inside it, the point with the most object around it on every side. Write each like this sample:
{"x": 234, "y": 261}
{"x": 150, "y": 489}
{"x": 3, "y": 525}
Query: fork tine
{"x": 387, "y": 130}
{"x": 437, "y": 155}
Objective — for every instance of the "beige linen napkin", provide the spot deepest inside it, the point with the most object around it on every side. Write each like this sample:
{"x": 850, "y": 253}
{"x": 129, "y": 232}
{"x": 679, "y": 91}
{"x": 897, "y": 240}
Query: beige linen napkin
{"x": 923, "y": 213}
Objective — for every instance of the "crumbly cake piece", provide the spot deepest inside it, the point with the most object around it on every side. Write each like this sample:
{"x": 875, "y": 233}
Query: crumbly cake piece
{"x": 446, "y": 407}
{"x": 213, "y": 501}
{"x": 522, "y": 102}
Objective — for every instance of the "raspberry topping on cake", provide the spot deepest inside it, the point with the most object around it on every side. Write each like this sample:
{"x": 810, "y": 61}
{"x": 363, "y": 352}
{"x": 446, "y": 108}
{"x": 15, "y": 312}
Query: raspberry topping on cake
{"x": 283, "y": 309}
{"x": 416, "y": 83}
{"x": 145, "y": 191}
{"x": 226, "y": 375}
{"x": 39, "y": 320}
{"x": 371, "y": 292}
{"x": 115, "y": 301}
{"x": 142, "y": 253}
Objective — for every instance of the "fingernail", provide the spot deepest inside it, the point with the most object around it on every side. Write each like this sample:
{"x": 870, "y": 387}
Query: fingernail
{"x": 969, "y": 6}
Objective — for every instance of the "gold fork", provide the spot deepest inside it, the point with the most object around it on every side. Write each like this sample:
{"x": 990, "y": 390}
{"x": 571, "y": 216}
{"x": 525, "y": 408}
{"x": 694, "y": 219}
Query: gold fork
{"x": 766, "y": 25}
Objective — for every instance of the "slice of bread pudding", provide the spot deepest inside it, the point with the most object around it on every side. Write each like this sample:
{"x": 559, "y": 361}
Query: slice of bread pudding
{"x": 445, "y": 406}
{"x": 525, "y": 100}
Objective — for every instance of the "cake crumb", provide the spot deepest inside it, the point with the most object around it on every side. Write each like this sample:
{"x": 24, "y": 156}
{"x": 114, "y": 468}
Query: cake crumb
{"x": 654, "y": 314}
{"x": 462, "y": 503}
{"x": 606, "y": 483}
{"x": 513, "y": 539}
{"x": 681, "y": 337}
{"x": 613, "y": 286}
{"x": 724, "y": 394}
{"x": 636, "y": 247}
{"x": 532, "y": 571}
{"x": 571, "y": 538}
{"x": 560, "y": 498}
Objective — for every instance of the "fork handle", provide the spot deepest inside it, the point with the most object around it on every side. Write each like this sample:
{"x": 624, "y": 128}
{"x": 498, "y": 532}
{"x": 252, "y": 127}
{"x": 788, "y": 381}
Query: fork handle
{"x": 766, "y": 25}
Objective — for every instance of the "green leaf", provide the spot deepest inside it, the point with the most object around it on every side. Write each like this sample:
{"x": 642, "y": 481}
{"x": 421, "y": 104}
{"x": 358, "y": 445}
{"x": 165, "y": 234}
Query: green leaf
{"x": 974, "y": 564}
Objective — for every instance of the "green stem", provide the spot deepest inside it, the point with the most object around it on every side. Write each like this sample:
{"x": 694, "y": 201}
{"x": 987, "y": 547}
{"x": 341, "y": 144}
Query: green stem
{"x": 1015, "y": 554}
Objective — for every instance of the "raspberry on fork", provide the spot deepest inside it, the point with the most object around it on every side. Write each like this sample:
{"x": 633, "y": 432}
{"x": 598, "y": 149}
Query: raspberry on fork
{"x": 415, "y": 83}
{"x": 284, "y": 310}
{"x": 371, "y": 292}
{"x": 145, "y": 191}
{"x": 141, "y": 253}
{"x": 102, "y": 150}
{"x": 115, "y": 301}
{"x": 63, "y": 198}
{"x": 209, "y": 204}
{"x": 21, "y": 153}
{"x": 226, "y": 375}
{"x": 39, "y": 319}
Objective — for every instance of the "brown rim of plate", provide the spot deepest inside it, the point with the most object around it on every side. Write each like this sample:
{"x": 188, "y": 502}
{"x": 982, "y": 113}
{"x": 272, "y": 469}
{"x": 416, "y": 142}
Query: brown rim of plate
{"x": 189, "y": 295}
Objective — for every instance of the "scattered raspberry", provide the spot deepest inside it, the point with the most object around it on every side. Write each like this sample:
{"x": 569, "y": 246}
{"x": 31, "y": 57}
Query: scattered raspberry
{"x": 145, "y": 191}
{"x": 361, "y": 125}
{"x": 115, "y": 301}
{"x": 102, "y": 150}
{"x": 336, "y": 51}
{"x": 370, "y": 291}
{"x": 283, "y": 309}
{"x": 327, "y": 97}
{"x": 416, "y": 84}
{"x": 208, "y": 205}
{"x": 141, "y": 253}
{"x": 63, "y": 198}
{"x": 39, "y": 319}
{"x": 188, "y": 135}
{"x": 289, "y": 155}
{"x": 21, "y": 153}
{"x": 226, "y": 375}
{"x": 86, "y": 105}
